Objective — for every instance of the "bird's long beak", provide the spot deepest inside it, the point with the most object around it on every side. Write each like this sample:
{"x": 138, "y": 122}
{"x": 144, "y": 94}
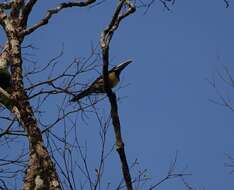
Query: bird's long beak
{"x": 121, "y": 66}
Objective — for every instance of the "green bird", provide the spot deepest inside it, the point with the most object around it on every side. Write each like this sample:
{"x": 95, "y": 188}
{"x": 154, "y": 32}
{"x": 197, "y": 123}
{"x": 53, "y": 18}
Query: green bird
{"x": 98, "y": 85}
{"x": 5, "y": 84}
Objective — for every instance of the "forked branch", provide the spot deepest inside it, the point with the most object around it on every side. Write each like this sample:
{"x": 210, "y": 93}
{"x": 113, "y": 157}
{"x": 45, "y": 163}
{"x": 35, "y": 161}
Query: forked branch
{"x": 105, "y": 40}
{"x": 52, "y": 12}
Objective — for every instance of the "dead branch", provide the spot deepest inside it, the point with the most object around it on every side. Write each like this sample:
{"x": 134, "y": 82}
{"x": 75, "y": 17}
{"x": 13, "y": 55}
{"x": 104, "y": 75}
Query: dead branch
{"x": 171, "y": 174}
{"x": 27, "y": 9}
{"x": 105, "y": 40}
{"x": 226, "y": 3}
{"x": 52, "y": 12}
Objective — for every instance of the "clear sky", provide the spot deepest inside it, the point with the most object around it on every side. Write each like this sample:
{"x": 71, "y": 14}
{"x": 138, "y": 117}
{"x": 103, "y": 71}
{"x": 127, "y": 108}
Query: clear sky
{"x": 166, "y": 105}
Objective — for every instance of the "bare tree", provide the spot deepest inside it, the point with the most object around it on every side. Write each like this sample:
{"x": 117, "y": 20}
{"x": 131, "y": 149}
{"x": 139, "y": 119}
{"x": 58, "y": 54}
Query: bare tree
{"x": 15, "y": 96}
{"x": 43, "y": 158}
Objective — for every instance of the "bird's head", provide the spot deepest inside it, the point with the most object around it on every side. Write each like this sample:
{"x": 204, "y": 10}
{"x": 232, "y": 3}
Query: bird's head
{"x": 118, "y": 68}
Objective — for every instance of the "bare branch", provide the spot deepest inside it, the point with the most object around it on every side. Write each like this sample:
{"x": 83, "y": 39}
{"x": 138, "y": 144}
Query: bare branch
{"x": 227, "y": 79}
{"x": 105, "y": 41}
{"x": 147, "y": 5}
{"x": 5, "y": 93}
{"x": 227, "y": 3}
{"x": 54, "y": 11}
{"x": 16, "y": 8}
{"x": 171, "y": 174}
{"x": 27, "y": 10}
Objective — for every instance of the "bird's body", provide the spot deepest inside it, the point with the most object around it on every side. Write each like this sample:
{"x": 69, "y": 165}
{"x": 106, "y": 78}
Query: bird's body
{"x": 98, "y": 85}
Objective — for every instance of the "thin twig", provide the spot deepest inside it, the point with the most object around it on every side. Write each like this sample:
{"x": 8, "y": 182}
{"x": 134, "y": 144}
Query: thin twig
{"x": 54, "y": 11}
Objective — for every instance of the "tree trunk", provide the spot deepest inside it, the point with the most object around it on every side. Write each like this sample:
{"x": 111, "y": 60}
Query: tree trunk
{"x": 41, "y": 172}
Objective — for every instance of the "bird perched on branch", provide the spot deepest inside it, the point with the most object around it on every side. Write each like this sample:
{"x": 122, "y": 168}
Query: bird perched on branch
{"x": 5, "y": 84}
{"x": 98, "y": 85}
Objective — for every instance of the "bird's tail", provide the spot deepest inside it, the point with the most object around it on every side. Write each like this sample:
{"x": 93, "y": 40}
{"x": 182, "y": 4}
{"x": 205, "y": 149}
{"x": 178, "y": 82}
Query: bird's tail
{"x": 81, "y": 95}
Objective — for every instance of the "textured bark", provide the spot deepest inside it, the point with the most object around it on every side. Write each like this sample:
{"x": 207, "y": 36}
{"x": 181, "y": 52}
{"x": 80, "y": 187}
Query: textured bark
{"x": 41, "y": 172}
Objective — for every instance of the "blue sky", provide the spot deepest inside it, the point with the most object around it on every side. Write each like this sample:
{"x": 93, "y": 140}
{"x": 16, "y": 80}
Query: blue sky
{"x": 166, "y": 106}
